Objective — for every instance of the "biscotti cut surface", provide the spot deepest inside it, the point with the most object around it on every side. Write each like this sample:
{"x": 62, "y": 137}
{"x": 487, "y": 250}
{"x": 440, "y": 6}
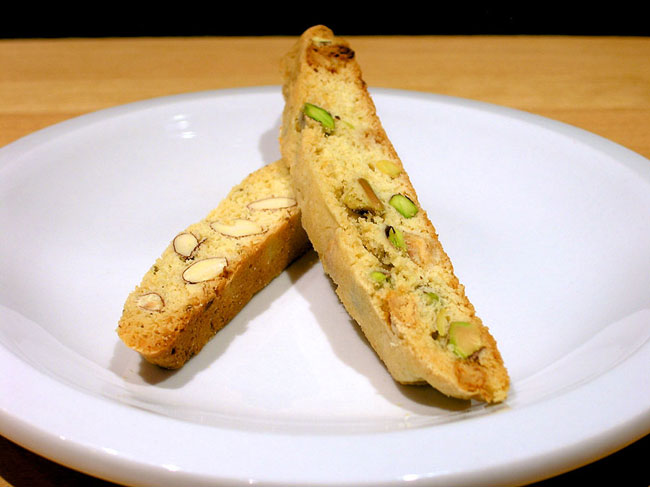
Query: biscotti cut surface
{"x": 213, "y": 268}
{"x": 376, "y": 242}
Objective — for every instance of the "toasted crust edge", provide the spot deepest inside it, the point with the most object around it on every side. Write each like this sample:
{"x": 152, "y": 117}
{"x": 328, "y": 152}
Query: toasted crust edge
{"x": 405, "y": 360}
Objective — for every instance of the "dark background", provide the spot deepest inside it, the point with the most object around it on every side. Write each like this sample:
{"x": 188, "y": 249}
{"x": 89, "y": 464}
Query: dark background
{"x": 345, "y": 18}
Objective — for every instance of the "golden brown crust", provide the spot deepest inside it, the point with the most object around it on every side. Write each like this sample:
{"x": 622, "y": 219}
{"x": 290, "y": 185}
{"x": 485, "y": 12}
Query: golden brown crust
{"x": 325, "y": 166}
{"x": 192, "y": 313}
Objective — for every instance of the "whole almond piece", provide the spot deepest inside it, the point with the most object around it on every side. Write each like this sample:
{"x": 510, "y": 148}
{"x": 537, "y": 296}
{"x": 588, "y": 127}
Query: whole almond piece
{"x": 185, "y": 244}
{"x": 205, "y": 270}
{"x": 150, "y": 302}
{"x": 239, "y": 228}
{"x": 272, "y": 203}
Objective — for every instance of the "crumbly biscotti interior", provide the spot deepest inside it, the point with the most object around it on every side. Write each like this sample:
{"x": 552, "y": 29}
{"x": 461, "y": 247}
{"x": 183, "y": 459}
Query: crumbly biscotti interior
{"x": 364, "y": 219}
{"x": 210, "y": 270}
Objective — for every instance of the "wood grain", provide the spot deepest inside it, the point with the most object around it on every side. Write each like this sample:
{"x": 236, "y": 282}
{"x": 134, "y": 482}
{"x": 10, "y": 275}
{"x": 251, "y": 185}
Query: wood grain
{"x": 599, "y": 84}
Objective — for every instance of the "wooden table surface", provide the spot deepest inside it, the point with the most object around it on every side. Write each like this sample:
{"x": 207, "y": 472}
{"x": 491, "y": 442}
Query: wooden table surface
{"x": 601, "y": 84}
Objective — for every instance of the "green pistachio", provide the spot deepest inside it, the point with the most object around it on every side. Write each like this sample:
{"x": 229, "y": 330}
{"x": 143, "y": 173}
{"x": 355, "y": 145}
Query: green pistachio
{"x": 379, "y": 277}
{"x": 396, "y": 237}
{"x": 432, "y": 297}
{"x": 465, "y": 338}
{"x": 404, "y": 205}
{"x": 320, "y": 115}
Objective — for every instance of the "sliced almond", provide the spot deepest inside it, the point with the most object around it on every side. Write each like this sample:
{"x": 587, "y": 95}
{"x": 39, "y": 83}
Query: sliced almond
{"x": 185, "y": 244}
{"x": 239, "y": 228}
{"x": 205, "y": 269}
{"x": 150, "y": 302}
{"x": 272, "y": 203}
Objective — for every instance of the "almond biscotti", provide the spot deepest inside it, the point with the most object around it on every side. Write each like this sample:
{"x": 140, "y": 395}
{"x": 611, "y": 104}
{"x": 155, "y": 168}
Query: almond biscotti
{"x": 213, "y": 268}
{"x": 376, "y": 242}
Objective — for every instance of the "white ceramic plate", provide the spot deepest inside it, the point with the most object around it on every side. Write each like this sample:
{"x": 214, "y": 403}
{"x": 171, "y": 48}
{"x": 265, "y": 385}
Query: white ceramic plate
{"x": 548, "y": 227}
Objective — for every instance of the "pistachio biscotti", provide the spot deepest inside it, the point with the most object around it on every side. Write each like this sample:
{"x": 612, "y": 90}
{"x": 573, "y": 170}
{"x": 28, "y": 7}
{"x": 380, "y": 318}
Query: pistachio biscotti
{"x": 213, "y": 268}
{"x": 376, "y": 242}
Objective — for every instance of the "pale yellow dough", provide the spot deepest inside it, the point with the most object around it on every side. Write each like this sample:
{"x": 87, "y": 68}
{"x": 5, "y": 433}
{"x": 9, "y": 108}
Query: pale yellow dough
{"x": 240, "y": 248}
{"x": 407, "y": 317}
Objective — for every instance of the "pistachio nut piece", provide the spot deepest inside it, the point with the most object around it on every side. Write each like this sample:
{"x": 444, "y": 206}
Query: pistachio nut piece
{"x": 403, "y": 205}
{"x": 320, "y": 115}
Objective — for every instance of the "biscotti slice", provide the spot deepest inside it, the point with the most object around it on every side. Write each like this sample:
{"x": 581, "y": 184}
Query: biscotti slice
{"x": 213, "y": 268}
{"x": 374, "y": 239}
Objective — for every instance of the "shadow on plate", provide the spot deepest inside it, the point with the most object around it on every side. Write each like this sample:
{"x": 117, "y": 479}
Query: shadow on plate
{"x": 133, "y": 369}
{"x": 419, "y": 398}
